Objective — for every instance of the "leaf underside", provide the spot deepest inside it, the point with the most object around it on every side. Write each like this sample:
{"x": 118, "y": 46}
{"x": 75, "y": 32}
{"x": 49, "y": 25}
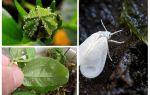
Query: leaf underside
{"x": 44, "y": 74}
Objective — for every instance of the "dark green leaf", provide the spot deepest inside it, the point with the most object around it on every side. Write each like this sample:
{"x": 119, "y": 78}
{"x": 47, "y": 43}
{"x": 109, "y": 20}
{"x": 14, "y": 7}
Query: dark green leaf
{"x": 47, "y": 41}
{"x": 53, "y": 6}
{"x": 39, "y": 3}
{"x": 21, "y": 64}
{"x": 44, "y": 74}
{"x": 59, "y": 19}
{"x": 57, "y": 54}
{"x": 23, "y": 93}
{"x": 11, "y": 33}
{"x": 20, "y": 9}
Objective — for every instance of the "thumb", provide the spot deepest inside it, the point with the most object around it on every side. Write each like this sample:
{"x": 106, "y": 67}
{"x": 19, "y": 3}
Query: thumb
{"x": 12, "y": 78}
{"x": 17, "y": 76}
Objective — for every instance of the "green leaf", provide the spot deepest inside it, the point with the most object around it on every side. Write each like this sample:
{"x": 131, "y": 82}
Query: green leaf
{"x": 40, "y": 23}
{"x": 20, "y": 9}
{"x": 11, "y": 33}
{"x": 16, "y": 53}
{"x": 26, "y": 42}
{"x": 47, "y": 41}
{"x": 30, "y": 53}
{"x": 23, "y": 93}
{"x": 59, "y": 19}
{"x": 57, "y": 54}
{"x": 53, "y": 6}
{"x": 44, "y": 74}
{"x": 39, "y": 3}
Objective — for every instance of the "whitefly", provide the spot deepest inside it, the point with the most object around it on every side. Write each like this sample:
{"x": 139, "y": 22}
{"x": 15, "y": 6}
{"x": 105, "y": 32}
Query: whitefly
{"x": 93, "y": 52}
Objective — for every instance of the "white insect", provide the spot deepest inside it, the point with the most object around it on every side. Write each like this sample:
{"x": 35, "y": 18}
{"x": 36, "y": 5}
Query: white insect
{"x": 93, "y": 52}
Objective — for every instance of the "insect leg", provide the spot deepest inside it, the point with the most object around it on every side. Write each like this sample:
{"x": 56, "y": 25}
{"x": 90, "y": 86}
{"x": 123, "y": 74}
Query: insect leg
{"x": 109, "y": 55}
{"x": 117, "y": 42}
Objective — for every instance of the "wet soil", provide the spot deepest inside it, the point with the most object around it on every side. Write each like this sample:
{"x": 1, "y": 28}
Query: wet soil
{"x": 127, "y": 74}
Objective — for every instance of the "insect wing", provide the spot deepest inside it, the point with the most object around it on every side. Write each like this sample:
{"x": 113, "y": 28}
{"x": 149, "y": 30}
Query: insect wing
{"x": 93, "y": 56}
{"x": 87, "y": 45}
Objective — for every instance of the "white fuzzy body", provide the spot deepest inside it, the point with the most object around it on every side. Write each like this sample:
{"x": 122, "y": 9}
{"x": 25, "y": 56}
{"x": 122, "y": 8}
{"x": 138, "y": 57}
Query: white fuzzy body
{"x": 93, "y": 53}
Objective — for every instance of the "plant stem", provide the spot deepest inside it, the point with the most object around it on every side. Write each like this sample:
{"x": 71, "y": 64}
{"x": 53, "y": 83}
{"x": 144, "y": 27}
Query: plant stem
{"x": 28, "y": 5}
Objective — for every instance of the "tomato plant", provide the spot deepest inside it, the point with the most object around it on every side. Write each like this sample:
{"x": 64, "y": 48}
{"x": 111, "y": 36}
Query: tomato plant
{"x": 37, "y": 24}
{"x": 40, "y": 23}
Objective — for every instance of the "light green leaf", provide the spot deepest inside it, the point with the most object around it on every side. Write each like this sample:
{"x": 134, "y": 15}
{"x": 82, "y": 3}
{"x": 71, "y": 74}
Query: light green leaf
{"x": 16, "y": 53}
{"x": 44, "y": 74}
{"x": 20, "y": 9}
{"x": 11, "y": 33}
{"x": 30, "y": 53}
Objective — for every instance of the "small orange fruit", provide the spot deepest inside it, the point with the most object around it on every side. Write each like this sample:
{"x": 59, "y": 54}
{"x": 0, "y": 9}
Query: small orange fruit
{"x": 61, "y": 38}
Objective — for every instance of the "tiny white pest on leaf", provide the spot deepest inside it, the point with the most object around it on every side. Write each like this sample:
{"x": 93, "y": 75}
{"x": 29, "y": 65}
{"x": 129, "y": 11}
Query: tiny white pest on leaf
{"x": 93, "y": 52}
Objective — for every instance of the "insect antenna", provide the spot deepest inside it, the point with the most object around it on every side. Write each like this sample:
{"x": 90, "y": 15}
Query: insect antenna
{"x": 103, "y": 25}
{"x": 115, "y": 32}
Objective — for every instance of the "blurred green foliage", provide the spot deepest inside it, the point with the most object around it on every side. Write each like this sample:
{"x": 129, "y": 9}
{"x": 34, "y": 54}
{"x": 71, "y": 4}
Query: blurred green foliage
{"x": 131, "y": 18}
{"x": 11, "y": 33}
{"x": 69, "y": 14}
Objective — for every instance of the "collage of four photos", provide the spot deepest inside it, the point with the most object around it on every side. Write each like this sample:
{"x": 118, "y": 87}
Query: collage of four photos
{"x": 74, "y": 47}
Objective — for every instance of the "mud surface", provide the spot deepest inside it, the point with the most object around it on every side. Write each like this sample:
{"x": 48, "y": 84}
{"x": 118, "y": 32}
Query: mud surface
{"x": 127, "y": 74}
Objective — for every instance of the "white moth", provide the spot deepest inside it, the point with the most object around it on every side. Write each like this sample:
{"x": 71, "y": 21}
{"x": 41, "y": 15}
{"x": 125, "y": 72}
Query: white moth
{"x": 93, "y": 52}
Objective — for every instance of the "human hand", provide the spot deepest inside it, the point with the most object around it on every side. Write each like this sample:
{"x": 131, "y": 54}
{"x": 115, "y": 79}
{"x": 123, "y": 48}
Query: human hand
{"x": 12, "y": 76}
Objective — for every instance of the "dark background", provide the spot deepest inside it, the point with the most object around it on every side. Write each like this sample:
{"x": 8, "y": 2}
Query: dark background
{"x": 127, "y": 74}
